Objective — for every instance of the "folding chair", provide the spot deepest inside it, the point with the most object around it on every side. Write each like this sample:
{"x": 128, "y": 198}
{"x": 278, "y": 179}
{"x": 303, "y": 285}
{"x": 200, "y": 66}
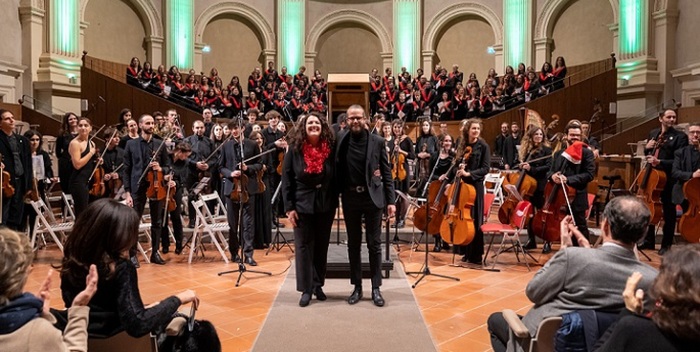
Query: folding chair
{"x": 543, "y": 341}
{"x": 488, "y": 202}
{"x": 68, "y": 206}
{"x": 218, "y": 214}
{"x": 206, "y": 227}
{"x": 495, "y": 181}
{"x": 44, "y": 225}
{"x": 511, "y": 232}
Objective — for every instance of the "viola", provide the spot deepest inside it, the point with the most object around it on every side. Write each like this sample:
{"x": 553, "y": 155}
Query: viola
{"x": 526, "y": 186}
{"x": 171, "y": 204}
{"x": 457, "y": 226}
{"x": 546, "y": 222}
{"x": 239, "y": 193}
{"x": 259, "y": 179}
{"x": 98, "y": 185}
{"x": 156, "y": 189}
{"x": 650, "y": 184}
{"x": 7, "y": 189}
{"x": 690, "y": 221}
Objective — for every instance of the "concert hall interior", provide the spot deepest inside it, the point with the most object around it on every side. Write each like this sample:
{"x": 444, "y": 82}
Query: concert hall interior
{"x": 501, "y": 142}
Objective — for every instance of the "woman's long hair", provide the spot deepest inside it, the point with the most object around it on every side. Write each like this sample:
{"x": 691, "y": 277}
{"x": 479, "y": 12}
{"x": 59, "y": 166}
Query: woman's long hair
{"x": 65, "y": 128}
{"x": 296, "y": 136}
{"x": 104, "y": 231}
{"x": 31, "y": 133}
{"x": 528, "y": 145}
{"x": 465, "y": 137}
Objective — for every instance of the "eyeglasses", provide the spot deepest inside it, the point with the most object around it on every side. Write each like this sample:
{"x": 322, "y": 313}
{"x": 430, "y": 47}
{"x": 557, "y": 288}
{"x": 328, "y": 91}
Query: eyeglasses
{"x": 354, "y": 118}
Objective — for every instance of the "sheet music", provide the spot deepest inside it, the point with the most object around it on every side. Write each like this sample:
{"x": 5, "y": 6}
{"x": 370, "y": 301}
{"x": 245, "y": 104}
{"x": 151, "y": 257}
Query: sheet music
{"x": 38, "y": 165}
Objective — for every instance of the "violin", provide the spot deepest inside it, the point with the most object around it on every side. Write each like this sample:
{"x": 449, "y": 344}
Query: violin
{"x": 423, "y": 164}
{"x": 32, "y": 194}
{"x": 526, "y": 186}
{"x": 690, "y": 221}
{"x": 114, "y": 184}
{"x": 7, "y": 189}
{"x": 239, "y": 193}
{"x": 156, "y": 186}
{"x": 398, "y": 171}
{"x": 457, "y": 226}
{"x": 170, "y": 203}
{"x": 650, "y": 183}
{"x": 98, "y": 184}
{"x": 280, "y": 159}
{"x": 546, "y": 222}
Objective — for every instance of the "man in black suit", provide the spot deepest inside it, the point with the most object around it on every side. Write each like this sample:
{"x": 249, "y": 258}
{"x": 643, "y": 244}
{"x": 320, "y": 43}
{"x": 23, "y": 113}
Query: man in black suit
{"x": 500, "y": 140}
{"x": 510, "y": 147}
{"x": 686, "y": 165}
{"x": 367, "y": 187}
{"x": 671, "y": 140}
{"x": 232, "y": 169}
{"x": 17, "y": 161}
{"x": 575, "y": 170}
{"x": 202, "y": 148}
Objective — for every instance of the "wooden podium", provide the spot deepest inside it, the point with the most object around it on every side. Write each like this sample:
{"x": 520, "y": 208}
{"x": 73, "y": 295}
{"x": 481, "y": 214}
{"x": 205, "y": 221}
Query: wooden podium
{"x": 345, "y": 89}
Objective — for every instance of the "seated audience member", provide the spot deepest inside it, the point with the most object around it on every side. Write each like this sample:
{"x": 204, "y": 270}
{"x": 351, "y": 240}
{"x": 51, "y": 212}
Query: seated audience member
{"x": 578, "y": 278}
{"x": 673, "y": 324}
{"x": 25, "y": 321}
{"x": 102, "y": 236}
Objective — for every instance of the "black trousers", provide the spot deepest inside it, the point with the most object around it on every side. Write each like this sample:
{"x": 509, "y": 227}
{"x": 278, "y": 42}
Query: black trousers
{"x": 175, "y": 217}
{"x": 669, "y": 213}
{"x": 498, "y": 329}
{"x": 355, "y": 206}
{"x": 13, "y": 207}
{"x": 311, "y": 237}
{"x": 156, "y": 209}
{"x": 232, "y": 212}
{"x": 81, "y": 196}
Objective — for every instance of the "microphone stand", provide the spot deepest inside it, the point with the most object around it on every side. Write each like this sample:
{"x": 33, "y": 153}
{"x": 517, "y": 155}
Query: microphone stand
{"x": 276, "y": 243}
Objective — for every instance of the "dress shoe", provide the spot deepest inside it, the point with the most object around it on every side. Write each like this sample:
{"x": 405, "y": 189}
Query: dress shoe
{"x": 400, "y": 224}
{"x": 166, "y": 250}
{"x": 438, "y": 245}
{"x": 377, "y": 297}
{"x": 530, "y": 244}
{"x": 547, "y": 248}
{"x": 647, "y": 245}
{"x": 135, "y": 261}
{"x": 235, "y": 258}
{"x": 305, "y": 299}
{"x": 664, "y": 249}
{"x": 250, "y": 261}
{"x": 318, "y": 291}
{"x": 356, "y": 295}
{"x": 178, "y": 250}
{"x": 156, "y": 259}
{"x": 445, "y": 246}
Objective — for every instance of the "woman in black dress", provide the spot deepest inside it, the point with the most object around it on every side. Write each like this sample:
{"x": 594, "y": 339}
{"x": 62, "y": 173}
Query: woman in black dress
{"x": 534, "y": 146}
{"x": 263, "y": 215}
{"x": 444, "y": 159}
{"x": 65, "y": 166}
{"x": 82, "y": 152}
{"x": 35, "y": 141}
{"x": 310, "y": 200}
{"x": 426, "y": 149}
{"x": 400, "y": 146}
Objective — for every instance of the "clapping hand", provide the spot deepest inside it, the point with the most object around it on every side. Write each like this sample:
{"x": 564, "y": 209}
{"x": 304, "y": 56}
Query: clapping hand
{"x": 634, "y": 298}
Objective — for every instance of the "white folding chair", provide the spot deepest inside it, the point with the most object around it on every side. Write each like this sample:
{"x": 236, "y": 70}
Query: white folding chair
{"x": 44, "y": 225}
{"x": 493, "y": 183}
{"x": 69, "y": 206}
{"x": 206, "y": 227}
{"x": 144, "y": 230}
{"x": 218, "y": 214}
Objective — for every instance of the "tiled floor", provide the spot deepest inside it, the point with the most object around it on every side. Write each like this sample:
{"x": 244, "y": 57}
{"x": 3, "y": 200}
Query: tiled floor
{"x": 455, "y": 312}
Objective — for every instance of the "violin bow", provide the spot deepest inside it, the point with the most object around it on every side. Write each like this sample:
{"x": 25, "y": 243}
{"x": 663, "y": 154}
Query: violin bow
{"x": 96, "y": 133}
{"x": 102, "y": 155}
{"x": 155, "y": 155}
{"x": 566, "y": 197}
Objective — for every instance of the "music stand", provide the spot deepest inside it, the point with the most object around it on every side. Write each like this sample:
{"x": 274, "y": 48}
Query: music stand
{"x": 276, "y": 243}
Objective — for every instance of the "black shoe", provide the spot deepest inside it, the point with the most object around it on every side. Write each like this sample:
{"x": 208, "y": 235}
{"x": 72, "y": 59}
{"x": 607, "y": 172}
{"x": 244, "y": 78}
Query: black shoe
{"x": 531, "y": 244}
{"x": 547, "y": 248}
{"x": 305, "y": 299}
{"x": 438, "y": 245}
{"x": 250, "y": 261}
{"x": 318, "y": 291}
{"x": 135, "y": 261}
{"x": 166, "y": 250}
{"x": 235, "y": 258}
{"x": 446, "y": 246}
{"x": 377, "y": 297}
{"x": 647, "y": 245}
{"x": 156, "y": 259}
{"x": 356, "y": 295}
{"x": 664, "y": 249}
{"x": 178, "y": 250}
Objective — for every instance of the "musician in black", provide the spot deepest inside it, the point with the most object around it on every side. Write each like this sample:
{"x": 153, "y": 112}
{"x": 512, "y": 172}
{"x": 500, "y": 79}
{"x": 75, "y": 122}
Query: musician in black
{"x": 233, "y": 168}
{"x": 180, "y": 174}
{"x": 274, "y": 139}
{"x": 427, "y": 148}
{"x": 665, "y": 140}
{"x": 202, "y": 148}
{"x": 500, "y": 140}
{"x": 510, "y": 147}
{"x": 84, "y": 157}
{"x": 575, "y": 170}
{"x": 588, "y": 139}
{"x": 534, "y": 146}
{"x": 400, "y": 146}
{"x": 686, "y": 165}
{"x": 439, "y": 165}
{"x": 141, "y": 156}
{"x": 473, "y": 173}
{"x": 17, "y": 161}
{"x": 112, "y": 162}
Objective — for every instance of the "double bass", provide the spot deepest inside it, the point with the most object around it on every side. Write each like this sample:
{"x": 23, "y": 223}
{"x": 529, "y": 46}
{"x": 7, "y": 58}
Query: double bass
{"x": 457, "y": 226}
{"x": 526, "y": 186}
{"x": 690, "y": 221}
{"x": 650, "y": 183}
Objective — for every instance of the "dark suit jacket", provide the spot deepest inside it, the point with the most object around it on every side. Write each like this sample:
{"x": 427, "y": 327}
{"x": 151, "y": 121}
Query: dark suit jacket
{"x": 583, "y": 278}
{"x": 306, "y": 193}
{"x": 539, "y": 169}
{"x": 381, "y": 188}
{"x": 685, "y": 163}
{"x": 510, "y": 150}
{"x": 674, "y": 140}
{"x": 578, "y": 176}
{"x": 136, "y": 159}
{"x": 230, "y": 160}
{"x": 25, "y": 157}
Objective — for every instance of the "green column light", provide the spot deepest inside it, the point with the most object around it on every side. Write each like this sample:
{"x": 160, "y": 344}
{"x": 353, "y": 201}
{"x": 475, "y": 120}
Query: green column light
{"x": 631, "y": 27}
{"x": 180, "y": 36}
{"x": 290, "y": 21}
{"x": 406, "y": 37}
{"x": 64, "y": 15}
{"x": 516, "y": 31}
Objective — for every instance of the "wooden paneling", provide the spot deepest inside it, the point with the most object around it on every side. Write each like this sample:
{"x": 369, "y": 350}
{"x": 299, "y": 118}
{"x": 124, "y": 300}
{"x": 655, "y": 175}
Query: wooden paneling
{"x": 47, "y": 125}
{"x": 114, "y": 70}
{"x": 689, "y": 114}
{"x": 15, "y": 109}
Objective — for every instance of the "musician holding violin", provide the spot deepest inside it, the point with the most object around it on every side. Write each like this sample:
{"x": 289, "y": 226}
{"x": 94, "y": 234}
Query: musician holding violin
{"x": 38, "y": 189}
{"x": 686, "y": 167}
{"x": 146, "y": 163}
{"x": 274, "y": 138}
{"x": 112, "y": 162}
{"x": 84, "y": 155}
{"x": 239, "y": 182}
{"x": 536, "y": 148}
{"x": 472, "y": 172}
{"x": 17, "y": 170}
{"x": 401, "y": 148}
{"x": 180, "y": 172}
{"x": 427, "y": 147}
{"x": 661, "y": 146}
{"x": 202, "y": 148}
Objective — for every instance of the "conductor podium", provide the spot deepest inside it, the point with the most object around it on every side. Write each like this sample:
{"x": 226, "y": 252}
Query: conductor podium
{"x": 345, "y": 89}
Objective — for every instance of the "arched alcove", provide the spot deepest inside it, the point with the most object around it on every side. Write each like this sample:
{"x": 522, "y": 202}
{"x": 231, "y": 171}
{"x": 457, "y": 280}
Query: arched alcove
{"x": 580, "y": 32}
{"x": 338, "y": 53}
{"x": 235, "y": 46}
{"x": 464, "y": 41}
{"x": 101, "y": 39}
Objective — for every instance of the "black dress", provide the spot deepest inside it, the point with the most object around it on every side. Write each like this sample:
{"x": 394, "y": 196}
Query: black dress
{"x": 79, "y": 187}
{"x": 65, "y": 165}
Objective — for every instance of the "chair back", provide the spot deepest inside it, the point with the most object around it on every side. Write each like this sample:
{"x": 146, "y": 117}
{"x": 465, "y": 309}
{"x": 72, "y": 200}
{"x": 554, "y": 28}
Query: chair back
{"x": 493, "y": 184}
{"x": 591, "y": 202}
{"x": 488, "y": 202}
{"x": 544, "y": 338}
{"x": 520, "y": 215}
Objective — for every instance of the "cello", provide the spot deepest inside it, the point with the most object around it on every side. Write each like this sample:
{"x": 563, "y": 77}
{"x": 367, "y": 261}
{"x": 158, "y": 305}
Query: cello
{"x": 650, "y": 183}
{"x": 690, "y": 221}
{"x": 457, "y": 227}
{"x": 431, "y": 210}
{"x": 546, "y": 222}
{"x": 526, "y": 186}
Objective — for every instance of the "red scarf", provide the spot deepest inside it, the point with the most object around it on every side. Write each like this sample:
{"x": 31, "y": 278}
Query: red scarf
{"x": 314, "y": 157}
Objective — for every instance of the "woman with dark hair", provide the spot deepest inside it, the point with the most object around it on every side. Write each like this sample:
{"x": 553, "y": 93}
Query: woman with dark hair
{"x": 441, "y": 163}
{"x": 473, "y": 171}
{"x": 82, "y": 152}
{"x": 310, "y": 200}
{"x": 674, "y": 322}
{"x": 102, "y": 236}
{"x": 124, "y": 116}
{"x": 559, "y": 73}
{"x": 65, "y": 166}
{"x": 426, "y": 150}
{"x": 263, "y": 216}
{"x": 133, "y": 71}
{"x": 132, "y": 132}
{"x": 546, "y": 76}
{"x": 35, "y": 142}
{"x": 400, "y": 145}
{"x": 532, "y": 87}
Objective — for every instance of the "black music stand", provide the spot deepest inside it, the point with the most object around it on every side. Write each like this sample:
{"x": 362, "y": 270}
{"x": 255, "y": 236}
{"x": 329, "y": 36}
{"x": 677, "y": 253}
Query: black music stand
{"x": 277, "y": 244}
{"x": 425, "y": 271}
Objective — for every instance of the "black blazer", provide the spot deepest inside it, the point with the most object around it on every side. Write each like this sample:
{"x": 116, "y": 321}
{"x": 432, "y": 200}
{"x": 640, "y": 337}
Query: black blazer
{"x": 136, "y": 160}
{"x": 9, "y": 160}
{"x": 381, "y": 188}
{"x": 578, "y": 176}
{"x": 685, "y": 162}
{"x": 305, "y": 193}
{"x": 674, "y": 140}
{"x": 230, "y": 159}
{"x": 539, "y": 169}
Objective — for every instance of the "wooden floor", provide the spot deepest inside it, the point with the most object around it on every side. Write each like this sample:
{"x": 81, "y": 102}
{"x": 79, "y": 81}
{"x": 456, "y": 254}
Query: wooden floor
{"x": 455, "y": 312}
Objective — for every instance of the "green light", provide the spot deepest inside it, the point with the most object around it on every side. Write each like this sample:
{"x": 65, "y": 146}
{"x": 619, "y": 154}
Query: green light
{"x": 516, "y": 30}
{"x": 631, "y": 28}
{"x": 65, "y": 26}
{"x": 291, "y": 36}
{"x": 406, "y": 37}
{"x": 181, "y": 25}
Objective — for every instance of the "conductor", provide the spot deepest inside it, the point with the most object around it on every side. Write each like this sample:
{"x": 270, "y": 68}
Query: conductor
{"x": 367, "y": 187}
